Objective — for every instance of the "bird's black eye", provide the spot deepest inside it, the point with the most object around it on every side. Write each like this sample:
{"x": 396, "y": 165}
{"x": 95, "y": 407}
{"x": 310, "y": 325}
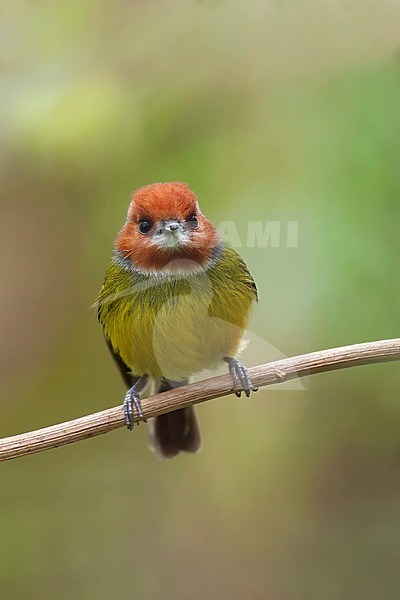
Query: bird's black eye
{"x": 193, "y": 221}
{"x": 145, "y": 225}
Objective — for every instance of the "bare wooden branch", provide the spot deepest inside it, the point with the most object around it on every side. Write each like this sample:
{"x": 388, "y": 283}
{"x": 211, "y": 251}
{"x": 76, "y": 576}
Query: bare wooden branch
{"x": 262, "y": 375}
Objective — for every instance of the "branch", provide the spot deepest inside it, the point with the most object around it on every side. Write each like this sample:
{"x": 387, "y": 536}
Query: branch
{"x": 262, "y": 375}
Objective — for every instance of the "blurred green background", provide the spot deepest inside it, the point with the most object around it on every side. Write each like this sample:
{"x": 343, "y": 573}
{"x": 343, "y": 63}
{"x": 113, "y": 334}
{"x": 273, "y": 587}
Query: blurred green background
{"x": 271, "y": 111}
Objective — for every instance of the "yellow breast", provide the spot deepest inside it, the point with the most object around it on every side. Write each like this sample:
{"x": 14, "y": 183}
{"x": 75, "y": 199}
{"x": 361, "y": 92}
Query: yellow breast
{"x": 177, "y": 327}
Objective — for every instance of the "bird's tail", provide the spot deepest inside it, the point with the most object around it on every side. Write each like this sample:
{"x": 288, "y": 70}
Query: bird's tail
{"x": 174, "y": 432}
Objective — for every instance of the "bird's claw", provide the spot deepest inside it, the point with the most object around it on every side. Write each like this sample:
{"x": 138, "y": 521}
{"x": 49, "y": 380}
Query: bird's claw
{"x": 240, "y": 377}
{"x": 132, "y": 399}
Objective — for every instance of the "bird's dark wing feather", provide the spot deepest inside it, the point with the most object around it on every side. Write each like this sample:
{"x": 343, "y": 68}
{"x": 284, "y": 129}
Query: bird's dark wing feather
{"x": 127, "y": 376}
{"x": 253, "y": 285}
{"x": 248, "y": 278}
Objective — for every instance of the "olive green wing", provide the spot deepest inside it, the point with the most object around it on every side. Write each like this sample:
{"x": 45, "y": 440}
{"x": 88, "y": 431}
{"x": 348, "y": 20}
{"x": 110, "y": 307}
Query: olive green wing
{"x": 241, "y": 270}
{"x": 249, "y": 280}
{"x": 103, "y": 305}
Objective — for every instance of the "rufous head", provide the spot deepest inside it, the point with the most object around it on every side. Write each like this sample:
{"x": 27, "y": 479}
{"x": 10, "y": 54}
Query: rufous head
{"x": 165, "y": 230}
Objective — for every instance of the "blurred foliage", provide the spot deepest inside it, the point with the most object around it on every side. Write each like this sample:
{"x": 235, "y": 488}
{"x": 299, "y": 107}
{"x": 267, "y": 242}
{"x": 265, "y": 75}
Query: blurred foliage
{"x": 271, "y": 112}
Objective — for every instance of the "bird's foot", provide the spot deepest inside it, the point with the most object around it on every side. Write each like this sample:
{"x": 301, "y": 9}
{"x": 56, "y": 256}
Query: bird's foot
{"x": 132, "y": 399}
{"x": 240, "y": 377}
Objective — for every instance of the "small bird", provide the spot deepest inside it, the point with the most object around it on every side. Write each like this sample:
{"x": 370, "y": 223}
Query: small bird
{"x": 175, "y": 300}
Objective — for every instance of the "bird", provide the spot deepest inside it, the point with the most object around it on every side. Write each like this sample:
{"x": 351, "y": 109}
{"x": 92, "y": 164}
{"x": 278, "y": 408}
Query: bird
{"x": 175, "y": 301}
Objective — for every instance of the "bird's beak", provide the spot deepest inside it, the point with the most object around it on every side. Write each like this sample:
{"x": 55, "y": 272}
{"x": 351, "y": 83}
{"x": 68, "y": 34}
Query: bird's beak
{"x": 172, "y": 226}
{"x": 171, "y": 234}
